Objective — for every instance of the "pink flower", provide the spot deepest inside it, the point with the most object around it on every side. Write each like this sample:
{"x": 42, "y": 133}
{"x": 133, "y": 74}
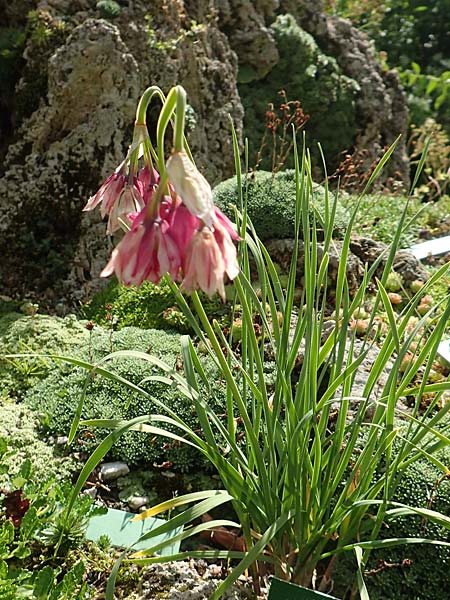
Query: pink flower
{"x": 225, "y": 222}
{"x": 146, "y": 252}
{"x": 108, "y": 193}
{"x": 204, "y": 267}
{"x": 118, "y": 198}
{"x": 129, "y": 201}
{"x": 227, "y": 249}
{"x": 149, "y": 181}
{"x": 183, "y": 225}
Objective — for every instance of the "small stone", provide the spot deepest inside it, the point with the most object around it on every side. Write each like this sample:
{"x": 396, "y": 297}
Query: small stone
{"x": 395, "y": 298}
{"x": 92, "y": 492}
{"x": 61, "y": 440}
{"x": 60, "y": 309}
{"x": 113, "y": 470}
{"x": 137, "y": 502}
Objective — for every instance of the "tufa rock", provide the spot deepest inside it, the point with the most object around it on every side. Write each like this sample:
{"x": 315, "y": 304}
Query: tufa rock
{"x": 381, "y": 109}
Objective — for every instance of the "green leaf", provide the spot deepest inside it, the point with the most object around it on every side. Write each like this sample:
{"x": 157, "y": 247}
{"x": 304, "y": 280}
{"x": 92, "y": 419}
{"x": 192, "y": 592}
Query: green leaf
{"x": 21, "y": 551}
{"x": 3, "y": 446}
{"x": 6, "y": 532}
{"x": 363, "y": 593}
{"x": 44, "y": 582}
{"x": 26, "y": 469}
{"x": 29, "y": 524}
{"x": 3, "y": 569}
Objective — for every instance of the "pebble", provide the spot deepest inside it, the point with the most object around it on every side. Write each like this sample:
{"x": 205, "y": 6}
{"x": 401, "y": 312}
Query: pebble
{"x": 136, "y": 502}
{"x": 113, "y": 470}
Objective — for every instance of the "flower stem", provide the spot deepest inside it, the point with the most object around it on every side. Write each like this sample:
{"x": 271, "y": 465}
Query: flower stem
{"x": 163, "y": 121}
{"x": 141, "y": 112}
{"x": 180, "y": 115}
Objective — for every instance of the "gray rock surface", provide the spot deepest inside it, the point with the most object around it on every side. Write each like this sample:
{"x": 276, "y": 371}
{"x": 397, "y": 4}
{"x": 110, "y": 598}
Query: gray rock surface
{"x": 405, "y": 263}
{"x": 82, "y": 127}
{"x": 381, "y": 105}
{"x": 189, "y": 580}
{"x": 249, "y": 36}
{"x": 64, "y": 150}
{"x": 363, "y": 251}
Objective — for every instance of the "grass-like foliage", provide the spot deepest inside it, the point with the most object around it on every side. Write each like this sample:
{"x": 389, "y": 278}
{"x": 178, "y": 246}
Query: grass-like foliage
{"x": 304, "y": 489}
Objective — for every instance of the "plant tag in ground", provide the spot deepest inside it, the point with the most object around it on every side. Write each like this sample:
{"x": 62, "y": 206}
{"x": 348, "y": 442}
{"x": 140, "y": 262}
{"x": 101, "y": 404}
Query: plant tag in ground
{"x": 434, "y": 247}
{"x": 123, "y": 531}
{"x": 444, "y": 351}
{"x": 283, "y": 590}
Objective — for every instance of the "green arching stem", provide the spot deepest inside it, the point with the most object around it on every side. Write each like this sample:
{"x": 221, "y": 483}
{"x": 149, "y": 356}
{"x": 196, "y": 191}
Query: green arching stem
{"x": 180, "y": 116}
{"x": 163, "y": 121}
{"x": 146, "y": 97}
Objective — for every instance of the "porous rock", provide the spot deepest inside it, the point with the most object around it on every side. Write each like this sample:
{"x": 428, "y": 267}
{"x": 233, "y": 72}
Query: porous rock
{"x": 404, "y": 263}
{"x": 253, "y": 42}
{"x": 281, "y": 252}
{"x": 363, "y": 251}
{"x": 63, "y": 150}
{"x": 382, "y": 113}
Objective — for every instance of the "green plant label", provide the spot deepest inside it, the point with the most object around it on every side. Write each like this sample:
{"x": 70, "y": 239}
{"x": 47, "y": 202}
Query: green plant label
{"x": 283, "y": 590}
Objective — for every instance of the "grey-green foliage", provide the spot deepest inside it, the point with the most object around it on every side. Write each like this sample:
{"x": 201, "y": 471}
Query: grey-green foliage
{"x": 313, "y": 78}
{"x": 18, "y": 425}
{"x": 109, "y": 9}
{"x": 271, "y": 203}
{"x": 57, "y": 396}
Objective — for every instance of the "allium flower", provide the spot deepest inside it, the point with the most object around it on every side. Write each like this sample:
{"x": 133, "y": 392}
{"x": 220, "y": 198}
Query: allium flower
{"x": 193, "y": 188}
{"x": 129, "y": 201}
{"x": 183, "y": 225}
{"x": 118, "y": 198}
{"x": 227, "y": 249}
{"x": 225, "y": 222}
{"x": 108, "y": 193}
{"x": 146, "y": 252}
{"x": 204, "y": 266}
{"x": 149, "y": 180}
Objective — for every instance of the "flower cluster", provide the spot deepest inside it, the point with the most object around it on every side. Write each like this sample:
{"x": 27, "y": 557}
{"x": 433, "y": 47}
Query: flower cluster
{"x": 174, "y": 228}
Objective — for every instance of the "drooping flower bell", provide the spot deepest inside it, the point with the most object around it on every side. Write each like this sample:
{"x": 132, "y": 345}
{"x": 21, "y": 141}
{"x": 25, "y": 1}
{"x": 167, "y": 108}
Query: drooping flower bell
{"x": 204, "y": 265}
{"x": 146, "y": 253}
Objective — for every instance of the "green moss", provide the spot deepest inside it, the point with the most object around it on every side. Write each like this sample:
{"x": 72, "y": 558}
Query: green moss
{"x": 271, "y": 203}
{"x": 425, "y": 575}
{"x": 57, "y": 396}
{"x": 149, "y": 306}
{"x": 313, "y": 78}
{"x": 21, "y": 334}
